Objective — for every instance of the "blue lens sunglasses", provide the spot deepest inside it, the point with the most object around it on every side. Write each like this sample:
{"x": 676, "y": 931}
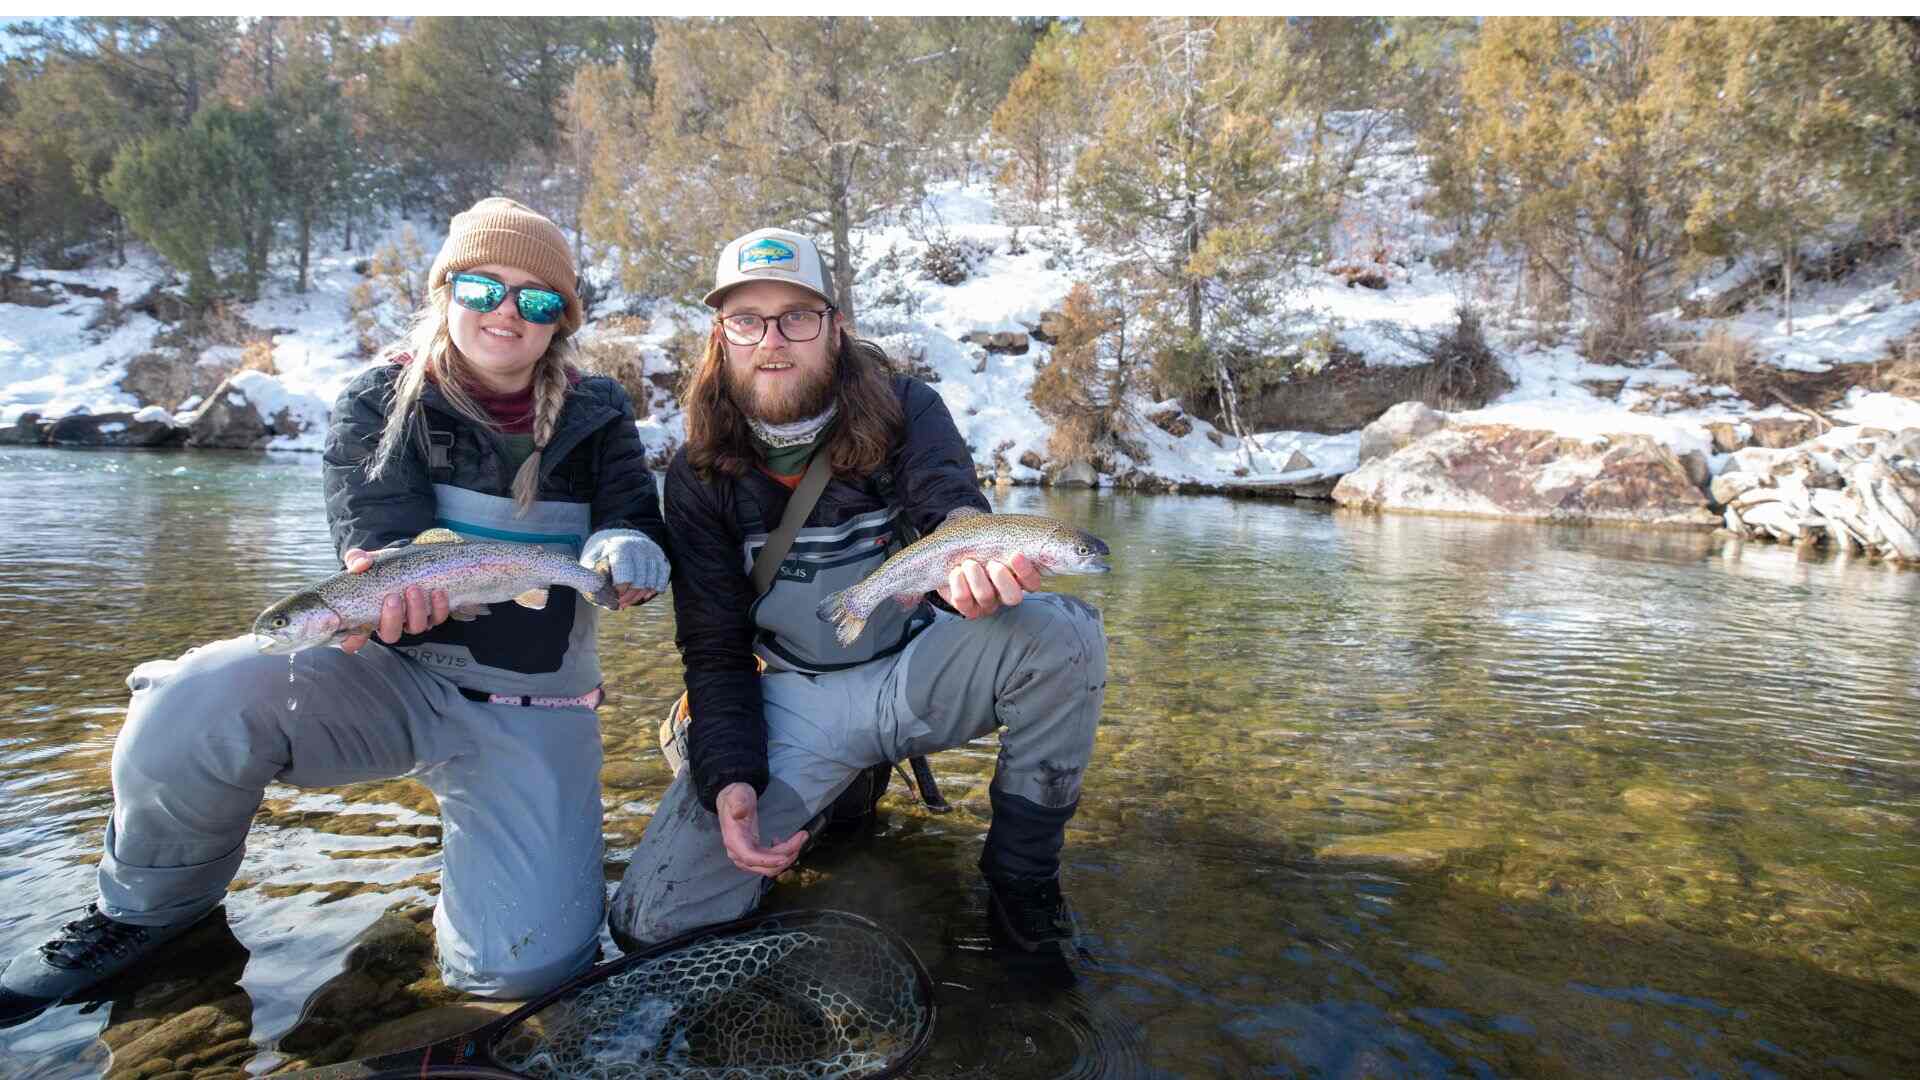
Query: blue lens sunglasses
{"x": 478, "y": 292}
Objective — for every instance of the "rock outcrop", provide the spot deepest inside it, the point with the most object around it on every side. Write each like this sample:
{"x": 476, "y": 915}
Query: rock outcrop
{"x": 246, "y": 412}
{"x": 1854, "y": 491}
{"x": 1496, "y": 470}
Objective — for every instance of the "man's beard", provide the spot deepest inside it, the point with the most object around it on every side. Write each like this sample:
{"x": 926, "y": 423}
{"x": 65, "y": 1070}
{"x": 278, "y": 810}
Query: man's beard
{"x": 782, "y": 400}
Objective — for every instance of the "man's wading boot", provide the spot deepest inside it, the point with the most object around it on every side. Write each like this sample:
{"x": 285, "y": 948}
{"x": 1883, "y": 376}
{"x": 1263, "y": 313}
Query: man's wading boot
{"x": 87, "y": 952}
{"x": 1029, "y": 913}
{"x": 1021, "y": 862}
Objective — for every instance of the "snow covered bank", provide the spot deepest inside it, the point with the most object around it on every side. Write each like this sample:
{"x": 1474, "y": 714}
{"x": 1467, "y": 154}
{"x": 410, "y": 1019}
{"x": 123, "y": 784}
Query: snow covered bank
{"x": 980, "y": 342}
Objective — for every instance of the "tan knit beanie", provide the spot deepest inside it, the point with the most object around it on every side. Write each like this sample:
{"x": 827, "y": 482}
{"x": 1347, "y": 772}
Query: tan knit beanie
{"x": 505, "y": 233}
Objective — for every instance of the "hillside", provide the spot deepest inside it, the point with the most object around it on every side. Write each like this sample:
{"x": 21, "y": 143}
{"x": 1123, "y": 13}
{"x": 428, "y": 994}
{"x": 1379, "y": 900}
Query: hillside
{"x": 105, "y": 340}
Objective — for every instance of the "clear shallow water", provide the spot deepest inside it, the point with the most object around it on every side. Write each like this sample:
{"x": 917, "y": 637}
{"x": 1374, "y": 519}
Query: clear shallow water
{"x": 1374, "y": 796}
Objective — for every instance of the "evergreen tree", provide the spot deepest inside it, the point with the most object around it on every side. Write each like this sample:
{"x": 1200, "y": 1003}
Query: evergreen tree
{"x": 461, "y": 99}
{"x": 801, "y": 122}
{"x": 1800, "y": 118}
{"x": 1192, "y": 178}
{"x": 1579, "y": 161}
{"x": 1037, "y": 130}
{"x": 198, "y": 194}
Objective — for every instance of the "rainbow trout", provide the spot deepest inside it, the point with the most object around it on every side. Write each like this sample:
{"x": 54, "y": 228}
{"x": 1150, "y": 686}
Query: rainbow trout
{"x": 922, "y": 566}
{"x": 474, "y": 574}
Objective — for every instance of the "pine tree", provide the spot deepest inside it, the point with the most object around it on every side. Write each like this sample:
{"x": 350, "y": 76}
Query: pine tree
{"x": 1800, "y": 118}
{"x": 1578, "y": 160}
{"x": 798, "y": 122}
{"x": 1191, "y": 177}
{"x": 198, "y": 194}
{"x": 1037, "y": 129}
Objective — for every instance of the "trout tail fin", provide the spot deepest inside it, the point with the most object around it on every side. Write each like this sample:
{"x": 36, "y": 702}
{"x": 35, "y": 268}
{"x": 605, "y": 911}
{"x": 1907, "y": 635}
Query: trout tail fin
{"x": 838, "y": 610}
{"x": 605, "y": 594}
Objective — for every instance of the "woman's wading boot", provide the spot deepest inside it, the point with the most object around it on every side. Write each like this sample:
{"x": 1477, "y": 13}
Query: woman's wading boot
{"x": 88, "y": 951}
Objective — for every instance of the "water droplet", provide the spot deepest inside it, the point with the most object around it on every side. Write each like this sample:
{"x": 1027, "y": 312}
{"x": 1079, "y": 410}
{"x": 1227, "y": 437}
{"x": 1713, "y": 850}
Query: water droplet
{"x": 293, "y": 704}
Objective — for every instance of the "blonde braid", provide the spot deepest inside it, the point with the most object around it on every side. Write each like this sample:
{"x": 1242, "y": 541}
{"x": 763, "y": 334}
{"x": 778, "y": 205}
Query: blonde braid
{"x": 550, "y": 385}
{"x": 427, "y": 341}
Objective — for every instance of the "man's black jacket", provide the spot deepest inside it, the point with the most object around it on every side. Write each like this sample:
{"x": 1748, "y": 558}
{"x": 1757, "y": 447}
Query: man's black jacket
{"x": 711, "y": 522}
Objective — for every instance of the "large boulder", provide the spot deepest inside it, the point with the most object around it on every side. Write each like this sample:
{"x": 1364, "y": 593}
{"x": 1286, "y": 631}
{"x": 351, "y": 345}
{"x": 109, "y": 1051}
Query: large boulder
{"x": 1397, "y": 427}
{"x": 28, "y": 430}
{"x": 250, "y": 409}
{"x": 1075, "y": 474}
{"x": 159, "y": 379}
{"x": 1495, "y": 470}
{"x": 149, "y": 428}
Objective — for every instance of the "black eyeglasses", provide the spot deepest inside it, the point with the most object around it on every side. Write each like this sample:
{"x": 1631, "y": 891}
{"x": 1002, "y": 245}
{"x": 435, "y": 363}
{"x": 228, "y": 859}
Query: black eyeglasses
{"x": 801, "y": 324}
{"x": 478, "y": 292}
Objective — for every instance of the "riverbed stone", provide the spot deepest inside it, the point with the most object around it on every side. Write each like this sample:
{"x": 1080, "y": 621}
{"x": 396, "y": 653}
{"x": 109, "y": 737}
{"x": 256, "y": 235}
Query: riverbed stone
{"x": 1779, "y": 433}
{"x": 1409, "y": 849}
{"x": 1729, "y": 486}
{"x": 1076, "y": 474}
{"x": 1496, "y": 470}
{"x": 429, "y": 1026}
{"x": 162, "y": 1047}
{"x": 1726, "y": 437}
{"x": 1651, "y": 800}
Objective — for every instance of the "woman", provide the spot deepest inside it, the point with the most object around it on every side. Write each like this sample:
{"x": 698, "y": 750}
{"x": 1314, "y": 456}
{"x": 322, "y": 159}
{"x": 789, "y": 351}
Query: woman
{"x": 478, "y": 423}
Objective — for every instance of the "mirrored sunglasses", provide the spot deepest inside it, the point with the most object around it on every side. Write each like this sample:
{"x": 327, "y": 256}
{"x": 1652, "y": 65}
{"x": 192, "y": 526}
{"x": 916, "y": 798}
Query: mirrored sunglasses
{"x": 478, "y": 292}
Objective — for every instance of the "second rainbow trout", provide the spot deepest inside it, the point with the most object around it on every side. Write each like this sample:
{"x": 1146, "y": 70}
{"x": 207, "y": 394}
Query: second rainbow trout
{"x": 921, "y": 567}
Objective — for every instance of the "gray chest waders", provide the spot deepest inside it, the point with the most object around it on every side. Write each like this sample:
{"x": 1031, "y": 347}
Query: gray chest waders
{"x": 858, "y": 800}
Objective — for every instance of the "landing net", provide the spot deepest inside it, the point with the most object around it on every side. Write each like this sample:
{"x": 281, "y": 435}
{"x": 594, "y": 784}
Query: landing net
{"x": 796, "y": 996}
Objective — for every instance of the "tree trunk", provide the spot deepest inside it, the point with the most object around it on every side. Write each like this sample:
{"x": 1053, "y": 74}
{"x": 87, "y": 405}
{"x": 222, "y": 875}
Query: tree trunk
{"x": 842, "y": 255}
{"x": 1787, "y": 281}
{"x": 306, "y": 244}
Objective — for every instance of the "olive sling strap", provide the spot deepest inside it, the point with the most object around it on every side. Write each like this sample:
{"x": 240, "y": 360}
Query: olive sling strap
{"x": 673, "y": 730}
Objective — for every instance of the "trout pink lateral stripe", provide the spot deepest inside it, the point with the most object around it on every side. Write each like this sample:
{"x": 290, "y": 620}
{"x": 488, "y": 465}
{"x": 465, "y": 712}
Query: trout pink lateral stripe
{"x": 1053, "y": 547}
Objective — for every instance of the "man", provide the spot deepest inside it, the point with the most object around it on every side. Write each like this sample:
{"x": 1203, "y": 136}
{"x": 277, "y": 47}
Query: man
{"x": 783, "y": 380}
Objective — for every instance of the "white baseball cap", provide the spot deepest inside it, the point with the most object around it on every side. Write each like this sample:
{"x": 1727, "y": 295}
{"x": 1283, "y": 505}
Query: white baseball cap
{"x": 769, "y": 255}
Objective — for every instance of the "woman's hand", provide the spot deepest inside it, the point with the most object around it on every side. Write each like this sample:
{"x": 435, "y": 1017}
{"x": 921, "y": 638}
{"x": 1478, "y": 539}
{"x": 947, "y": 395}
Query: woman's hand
{"x": 414, "y": 611}
{"x": 631, "y": 559}
{"x": 974, "y": 588}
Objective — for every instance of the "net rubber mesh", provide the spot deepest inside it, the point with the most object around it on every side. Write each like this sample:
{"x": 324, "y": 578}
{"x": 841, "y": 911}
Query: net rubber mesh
{"x": 795, "y": 997}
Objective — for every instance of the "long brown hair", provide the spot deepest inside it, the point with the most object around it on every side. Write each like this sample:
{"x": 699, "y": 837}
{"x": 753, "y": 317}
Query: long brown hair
{"x": 868, "y": 427}
{"x": 431, "y": 355}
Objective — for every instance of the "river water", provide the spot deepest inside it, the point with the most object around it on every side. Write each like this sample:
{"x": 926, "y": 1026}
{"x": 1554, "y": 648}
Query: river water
{"x": 1374, "y": 796}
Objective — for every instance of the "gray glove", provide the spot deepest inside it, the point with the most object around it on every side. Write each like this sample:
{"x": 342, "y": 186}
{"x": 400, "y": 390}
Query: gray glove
{"x": 629, "y": 557}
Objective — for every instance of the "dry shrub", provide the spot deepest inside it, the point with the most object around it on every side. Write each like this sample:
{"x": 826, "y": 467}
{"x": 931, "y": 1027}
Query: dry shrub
{"x": 683, "y": 352}
{"x": 621, "y": 362}
{"x": 1900, "y": 373}
{"x": 257, "y": 355}
{"x": 1465, "y": 372}
{"x": 623, "y": 325}
{"x": 1719, "y": 357}
{"x": 396, "y": 287}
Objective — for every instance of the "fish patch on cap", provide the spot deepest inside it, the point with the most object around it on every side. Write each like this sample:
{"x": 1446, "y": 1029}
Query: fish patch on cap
{"x": 765, "y": 252}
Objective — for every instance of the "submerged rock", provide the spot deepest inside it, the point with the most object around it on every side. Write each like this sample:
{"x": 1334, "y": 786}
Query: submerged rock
{"x": 1412, "y": 849}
